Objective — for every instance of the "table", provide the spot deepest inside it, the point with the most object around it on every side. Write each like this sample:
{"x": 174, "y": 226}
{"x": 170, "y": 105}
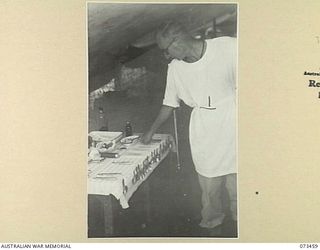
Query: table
{"x": 120, "y": 177}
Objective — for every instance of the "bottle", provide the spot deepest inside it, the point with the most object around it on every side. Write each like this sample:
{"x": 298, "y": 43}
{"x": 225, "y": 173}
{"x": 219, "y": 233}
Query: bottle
{"x": 128, "y": 129}
{"x": 102, "y": 120}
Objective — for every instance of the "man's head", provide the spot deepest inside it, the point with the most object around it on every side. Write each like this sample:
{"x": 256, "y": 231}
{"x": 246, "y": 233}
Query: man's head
{"x": 174, "y": 40}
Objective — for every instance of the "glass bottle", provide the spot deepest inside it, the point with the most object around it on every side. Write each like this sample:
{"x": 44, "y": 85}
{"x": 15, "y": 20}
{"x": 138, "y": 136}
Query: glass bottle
{"x": 103, "y": 124}
{"x": 128, "y": 129}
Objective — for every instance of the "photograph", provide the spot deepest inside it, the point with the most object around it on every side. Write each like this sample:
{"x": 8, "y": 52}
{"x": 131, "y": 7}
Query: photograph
{"x": 176, "y": 122}
{"x": 162, "y": 120}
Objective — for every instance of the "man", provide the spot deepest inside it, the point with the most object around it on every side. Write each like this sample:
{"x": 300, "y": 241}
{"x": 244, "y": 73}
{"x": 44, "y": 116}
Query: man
{"x": 203, "y": 75}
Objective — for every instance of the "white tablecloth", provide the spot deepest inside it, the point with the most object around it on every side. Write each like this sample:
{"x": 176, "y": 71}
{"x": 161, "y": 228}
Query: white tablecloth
{"x": 115, "y": 175}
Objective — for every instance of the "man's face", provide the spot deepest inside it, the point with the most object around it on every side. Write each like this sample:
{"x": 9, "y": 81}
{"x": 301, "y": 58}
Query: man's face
{"x": 176, "y": 49}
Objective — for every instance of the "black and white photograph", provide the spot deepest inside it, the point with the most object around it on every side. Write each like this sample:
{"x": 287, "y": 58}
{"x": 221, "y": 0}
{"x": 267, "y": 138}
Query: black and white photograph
{"x": 143, "y": 123}
{"x": 162, "y": 120}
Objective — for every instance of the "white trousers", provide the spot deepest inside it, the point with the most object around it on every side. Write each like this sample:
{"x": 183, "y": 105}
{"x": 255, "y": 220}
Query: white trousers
{"x": 212, "y": 211}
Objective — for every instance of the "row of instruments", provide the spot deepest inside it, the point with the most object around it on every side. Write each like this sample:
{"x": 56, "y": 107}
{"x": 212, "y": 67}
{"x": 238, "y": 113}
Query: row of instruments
{"x": 147, "y": 165}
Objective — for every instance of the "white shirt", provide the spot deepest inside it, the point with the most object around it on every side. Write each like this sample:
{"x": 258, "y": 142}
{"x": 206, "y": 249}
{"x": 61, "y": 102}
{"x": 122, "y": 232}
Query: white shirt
{"x": 208, "y": 83}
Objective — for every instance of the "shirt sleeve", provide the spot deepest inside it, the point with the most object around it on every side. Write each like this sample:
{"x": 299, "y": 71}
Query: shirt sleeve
{"x": 231, "y": 56}
{"x": 171, "y": 95}
{"x": 234, "y": 56}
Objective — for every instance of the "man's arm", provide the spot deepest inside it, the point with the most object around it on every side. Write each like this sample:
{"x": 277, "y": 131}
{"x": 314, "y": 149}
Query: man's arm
{"x": 164, "y": 113}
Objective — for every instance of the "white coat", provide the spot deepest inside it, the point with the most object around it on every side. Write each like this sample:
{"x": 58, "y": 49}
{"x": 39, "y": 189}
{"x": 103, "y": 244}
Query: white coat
{"x": 209, "y": 87}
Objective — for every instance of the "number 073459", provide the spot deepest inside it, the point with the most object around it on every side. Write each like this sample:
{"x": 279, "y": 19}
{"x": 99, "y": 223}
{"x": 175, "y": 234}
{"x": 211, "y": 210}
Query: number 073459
{"x": 306, "y": 245}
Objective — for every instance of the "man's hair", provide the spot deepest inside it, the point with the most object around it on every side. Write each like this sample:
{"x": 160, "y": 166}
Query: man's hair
{"x": 168, "y": 32}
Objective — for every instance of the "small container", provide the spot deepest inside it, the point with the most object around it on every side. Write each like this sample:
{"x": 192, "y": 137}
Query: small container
{"x": 103, "y": 123}
{"x": 128, "y": 129}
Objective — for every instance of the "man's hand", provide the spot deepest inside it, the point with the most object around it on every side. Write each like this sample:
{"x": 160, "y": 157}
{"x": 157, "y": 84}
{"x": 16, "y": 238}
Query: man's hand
{"x": 163, "y": 115}
{"x": 147, "y": 137}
